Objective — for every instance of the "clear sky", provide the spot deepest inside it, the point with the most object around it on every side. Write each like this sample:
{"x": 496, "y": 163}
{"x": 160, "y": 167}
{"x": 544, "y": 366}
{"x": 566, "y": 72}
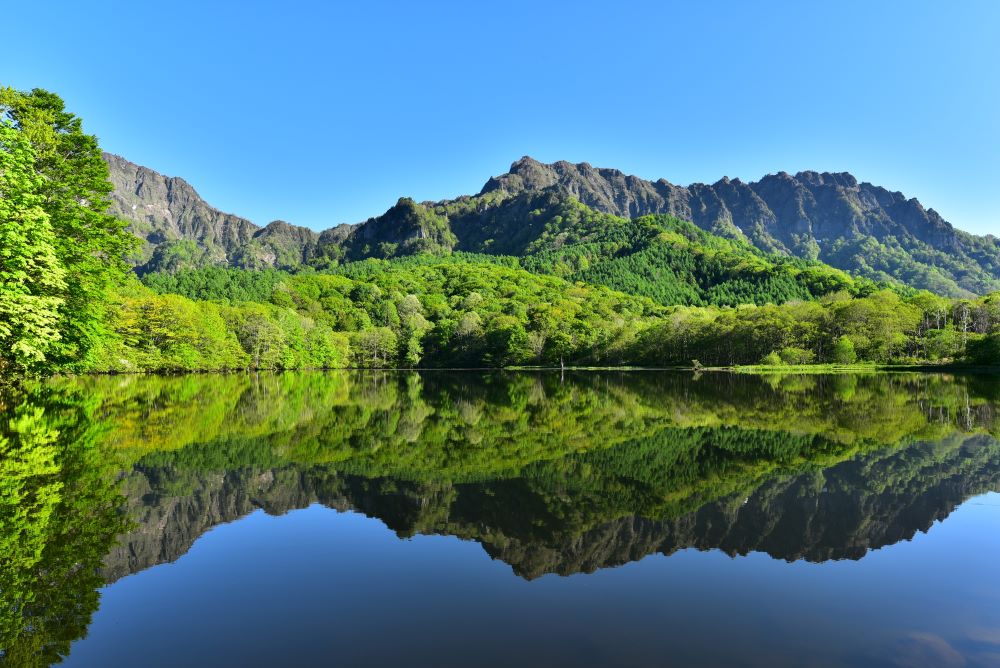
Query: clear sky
{"x": 327, "y": 112}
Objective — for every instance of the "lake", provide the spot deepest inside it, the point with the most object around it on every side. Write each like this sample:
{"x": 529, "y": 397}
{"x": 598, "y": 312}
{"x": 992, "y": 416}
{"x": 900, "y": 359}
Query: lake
{"x": 639, "y": 518}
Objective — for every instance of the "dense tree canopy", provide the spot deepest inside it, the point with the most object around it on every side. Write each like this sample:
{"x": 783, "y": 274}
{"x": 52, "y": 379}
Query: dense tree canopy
{"x": 472, "y": 311}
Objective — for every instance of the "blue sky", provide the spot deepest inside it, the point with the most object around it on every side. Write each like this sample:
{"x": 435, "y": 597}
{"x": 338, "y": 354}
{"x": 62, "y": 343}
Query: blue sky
{"x": 321, "y": 113}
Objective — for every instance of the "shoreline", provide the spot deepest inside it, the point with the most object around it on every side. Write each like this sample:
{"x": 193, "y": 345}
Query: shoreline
{"x": 749, "y": 369}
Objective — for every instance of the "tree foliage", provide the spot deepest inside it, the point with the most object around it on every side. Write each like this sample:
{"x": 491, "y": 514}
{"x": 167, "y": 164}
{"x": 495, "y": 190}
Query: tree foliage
{"x": 72, "y": 190}
{"x": 32, "y": 280}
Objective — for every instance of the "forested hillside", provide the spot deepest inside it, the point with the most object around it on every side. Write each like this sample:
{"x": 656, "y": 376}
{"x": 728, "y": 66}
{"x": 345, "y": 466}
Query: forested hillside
{"x": 522, "y": 274}
{"x": 464, "y": 311}
{"x": 657, "y": 256}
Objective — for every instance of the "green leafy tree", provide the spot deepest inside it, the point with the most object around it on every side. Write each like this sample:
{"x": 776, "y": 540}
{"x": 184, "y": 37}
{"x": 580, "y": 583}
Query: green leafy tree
{"x": 374, "y": 347}
{"x": 32, "y": 281}
{"x": 74, "y": 192}
{"x": 772, "y": 359}
{"x": 843, "y": 351}
{"x": 985, "y": 351}
{"x": 261, "y": 337}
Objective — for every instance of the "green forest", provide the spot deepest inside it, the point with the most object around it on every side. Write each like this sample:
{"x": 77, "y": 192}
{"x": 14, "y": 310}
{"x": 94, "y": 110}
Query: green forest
{"x": 541, "y": 281}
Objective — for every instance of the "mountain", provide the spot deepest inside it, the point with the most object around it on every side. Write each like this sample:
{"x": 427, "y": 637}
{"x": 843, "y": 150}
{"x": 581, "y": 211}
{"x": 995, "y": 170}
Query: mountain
{"x": 658, "y": 256}
{"x": 180, "y": 230}
{"x": 851, "y": 225}
{"x": 534, "y": 208}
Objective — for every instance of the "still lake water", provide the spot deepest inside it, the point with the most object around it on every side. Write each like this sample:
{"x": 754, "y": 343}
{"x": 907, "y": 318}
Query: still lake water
{"x": 497, "y": 519}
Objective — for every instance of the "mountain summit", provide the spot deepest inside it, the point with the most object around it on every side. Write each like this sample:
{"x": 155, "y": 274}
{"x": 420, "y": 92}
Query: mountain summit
{"x": 180, "y": 229}
{"x": 831, "y": 217}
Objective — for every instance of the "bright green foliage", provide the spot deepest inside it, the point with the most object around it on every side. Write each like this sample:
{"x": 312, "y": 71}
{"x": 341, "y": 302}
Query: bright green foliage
{"x": 89, "y": 244}
{"x": 882, "y": 327}
{"x": 456, "y": 311}
{"x": 772, "y": 359}
{"x": 468, "y": 310}
{"x": 150, "y": 332}
{"x": 217, "y": 284}
{"x": 794, "y": 355}
{"x": 32, "y": 281}
{"x": 58, "y": 519}
{"x": 844, "y": 352}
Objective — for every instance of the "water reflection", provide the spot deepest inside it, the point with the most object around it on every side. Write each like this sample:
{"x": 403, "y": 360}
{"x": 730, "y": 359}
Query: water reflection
{"x": 549, "y": 474}
{"x": 59, "y": 517}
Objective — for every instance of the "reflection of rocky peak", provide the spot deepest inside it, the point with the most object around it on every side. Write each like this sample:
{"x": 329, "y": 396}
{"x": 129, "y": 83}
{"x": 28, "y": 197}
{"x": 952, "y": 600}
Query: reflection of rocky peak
{"x": 171, "y": 512}
{"x": 171, "y": 509}
{"x": 816, "y": 517}
{"x": 837, "y": 513}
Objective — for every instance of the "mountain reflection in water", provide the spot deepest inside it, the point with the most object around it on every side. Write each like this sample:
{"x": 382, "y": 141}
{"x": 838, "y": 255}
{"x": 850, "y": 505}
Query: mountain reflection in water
{"x": 550, "y": 473}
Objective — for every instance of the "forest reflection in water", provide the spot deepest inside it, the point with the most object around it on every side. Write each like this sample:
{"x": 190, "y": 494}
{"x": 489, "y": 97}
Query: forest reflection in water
{"x": 550, "y": 473}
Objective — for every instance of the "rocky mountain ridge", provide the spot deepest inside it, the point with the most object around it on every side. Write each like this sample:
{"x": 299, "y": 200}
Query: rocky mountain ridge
{"x": 179, "y": 229}
{"x": 830, "y": 217}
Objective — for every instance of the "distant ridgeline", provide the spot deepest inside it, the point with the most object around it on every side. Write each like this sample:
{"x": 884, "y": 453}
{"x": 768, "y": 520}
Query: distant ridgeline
{"x": 548, "y": 265}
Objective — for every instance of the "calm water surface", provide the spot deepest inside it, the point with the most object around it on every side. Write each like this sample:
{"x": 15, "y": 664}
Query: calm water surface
{"x": 536, "y": 519}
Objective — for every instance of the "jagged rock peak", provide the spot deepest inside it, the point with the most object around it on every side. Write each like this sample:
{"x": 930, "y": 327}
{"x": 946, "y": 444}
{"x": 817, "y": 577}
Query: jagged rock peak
{"x": 166, "y": 212}
{"x": 842, "y": 179}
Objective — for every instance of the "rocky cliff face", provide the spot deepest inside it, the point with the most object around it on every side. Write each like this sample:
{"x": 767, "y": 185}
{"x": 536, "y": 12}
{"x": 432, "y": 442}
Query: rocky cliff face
{"x": 179, "y": 229}
{"x": 776, "y": 211}
{"x": 164, "y": 209}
